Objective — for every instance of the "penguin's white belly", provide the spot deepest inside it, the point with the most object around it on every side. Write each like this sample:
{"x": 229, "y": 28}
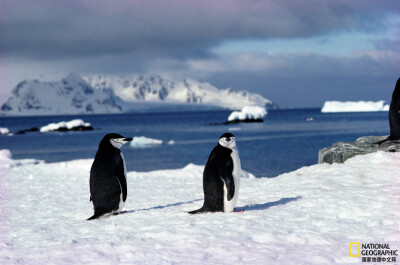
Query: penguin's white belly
{"x": 236, "y": 173}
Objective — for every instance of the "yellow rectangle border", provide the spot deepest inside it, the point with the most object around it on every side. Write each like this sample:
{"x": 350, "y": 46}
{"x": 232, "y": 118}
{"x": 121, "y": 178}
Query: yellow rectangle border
{"x": 358, "y": 249}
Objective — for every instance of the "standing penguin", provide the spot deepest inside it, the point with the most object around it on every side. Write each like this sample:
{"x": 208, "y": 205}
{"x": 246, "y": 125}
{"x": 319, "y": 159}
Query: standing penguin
{"x": 108, "y": 188}
{"x": 221, "y": 177}
{"x": 394, "y": 116}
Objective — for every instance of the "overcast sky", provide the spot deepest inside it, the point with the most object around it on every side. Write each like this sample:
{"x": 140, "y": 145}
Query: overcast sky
{"x": 296, "y": 53}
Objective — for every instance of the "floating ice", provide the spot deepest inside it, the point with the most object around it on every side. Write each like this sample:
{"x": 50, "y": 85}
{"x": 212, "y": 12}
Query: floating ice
{"x": 66, "y": 126}
{"x": 4, "y": 131}
{"x": 248, "y": 113}
{"x": 144, "y": 142}
{"x": 354, "y": 106}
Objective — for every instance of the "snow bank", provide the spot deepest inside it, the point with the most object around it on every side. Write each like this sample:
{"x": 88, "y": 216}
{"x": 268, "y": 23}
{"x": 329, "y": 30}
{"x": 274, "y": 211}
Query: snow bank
{"x": 6, "y": 162}
{"x": 65, "y": 126}
{"x": 144, "y": 142}
{"x": 248, "y": 113}
{"x": 308, "y": 216}
{"x": 5, "y": 155}
{"x": 4, "y": 131}
{"x": 354, "y": 106}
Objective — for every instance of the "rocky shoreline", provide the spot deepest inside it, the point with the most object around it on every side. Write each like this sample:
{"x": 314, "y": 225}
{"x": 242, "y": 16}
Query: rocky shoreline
{"x": 341, "y": 151}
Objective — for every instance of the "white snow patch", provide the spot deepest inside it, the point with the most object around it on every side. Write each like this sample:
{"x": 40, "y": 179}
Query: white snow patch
{"x": 5, "y": 155}
{"x": 69, "y": 125}
{"x": 6, "y": 161}
{"x": 247, "y": 175}
{"x": 308, "y": 216}
{"x": 248, "y": 112}
{"x": 144, "y": 142}
{"x": 354, "y": 106}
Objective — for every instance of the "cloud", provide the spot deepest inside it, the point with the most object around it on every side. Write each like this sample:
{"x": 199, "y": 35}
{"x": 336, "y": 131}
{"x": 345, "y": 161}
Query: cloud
{"x": 54, "y": 30}
{"x": 186, "y": 38}
{"x": 297, "y": 79}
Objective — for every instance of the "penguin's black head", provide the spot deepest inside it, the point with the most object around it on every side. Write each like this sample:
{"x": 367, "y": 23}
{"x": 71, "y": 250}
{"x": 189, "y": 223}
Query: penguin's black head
{"x": 227, "y": 140}
{"x": 116, "y": 140}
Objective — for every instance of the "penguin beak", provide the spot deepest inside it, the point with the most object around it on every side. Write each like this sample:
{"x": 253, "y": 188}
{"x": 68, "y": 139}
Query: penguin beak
{"x": 122, "y": 141}
{"x": 227, "y": 141}
{"x": 230, "y": 139}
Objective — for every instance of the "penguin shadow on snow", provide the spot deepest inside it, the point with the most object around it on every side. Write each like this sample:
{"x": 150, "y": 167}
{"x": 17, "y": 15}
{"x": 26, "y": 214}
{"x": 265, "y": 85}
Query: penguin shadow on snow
{"x": 264, "y": 206}
{"x": 160, "y": 207}
{"x": 251, "y": 207}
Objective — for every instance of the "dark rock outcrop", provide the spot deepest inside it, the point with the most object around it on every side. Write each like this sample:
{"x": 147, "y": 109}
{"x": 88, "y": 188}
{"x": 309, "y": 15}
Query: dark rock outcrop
{"x": 341, "y": 151}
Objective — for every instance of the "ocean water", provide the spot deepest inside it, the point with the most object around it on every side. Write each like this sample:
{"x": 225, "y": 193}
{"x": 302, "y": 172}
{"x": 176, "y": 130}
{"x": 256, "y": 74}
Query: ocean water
{"x": 284, "y": 142}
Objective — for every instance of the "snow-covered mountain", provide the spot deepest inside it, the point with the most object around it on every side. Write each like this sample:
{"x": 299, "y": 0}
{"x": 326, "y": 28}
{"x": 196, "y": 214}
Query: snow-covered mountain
{"x": 155, "y": 88}
{"x": 71, "y": 95}
{"x": 115, "y": 94}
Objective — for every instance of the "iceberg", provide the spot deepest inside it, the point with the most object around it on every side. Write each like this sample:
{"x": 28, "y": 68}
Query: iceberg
{"x": 354, "y": 106}
{"x": 4, "y": 131}
{"x": 144, "y": 142}
{"x": 73, "y": 125}
{"x": 248, "y": 114}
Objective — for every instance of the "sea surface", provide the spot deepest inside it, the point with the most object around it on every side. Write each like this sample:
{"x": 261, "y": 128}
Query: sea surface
{"x": 284, "y": 142}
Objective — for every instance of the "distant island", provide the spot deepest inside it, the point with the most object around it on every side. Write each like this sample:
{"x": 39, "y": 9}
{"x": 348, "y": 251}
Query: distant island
{"x": 98, "y": 94}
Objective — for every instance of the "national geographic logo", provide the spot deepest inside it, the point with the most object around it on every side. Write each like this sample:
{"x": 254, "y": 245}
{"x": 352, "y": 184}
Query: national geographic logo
{"x": 373, "y": 252}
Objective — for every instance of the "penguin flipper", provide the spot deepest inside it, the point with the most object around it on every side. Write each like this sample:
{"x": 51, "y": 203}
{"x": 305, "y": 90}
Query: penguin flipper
{"x": 229, "y": 183}
{"x": 120, "y": 174}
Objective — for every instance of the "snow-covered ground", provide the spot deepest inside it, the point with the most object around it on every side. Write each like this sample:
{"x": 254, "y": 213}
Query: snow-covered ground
{"x": 308, "y": 216}
{"x": 248, "y": 113}
{"x": 67, "y": 125}
{"x": 354, "y": 106}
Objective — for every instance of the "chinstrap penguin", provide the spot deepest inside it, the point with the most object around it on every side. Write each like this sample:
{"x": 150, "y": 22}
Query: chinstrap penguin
{"x": 221, "y": 177}
{"x": 108, "y": 189}
{"x": 394, "y": 116}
